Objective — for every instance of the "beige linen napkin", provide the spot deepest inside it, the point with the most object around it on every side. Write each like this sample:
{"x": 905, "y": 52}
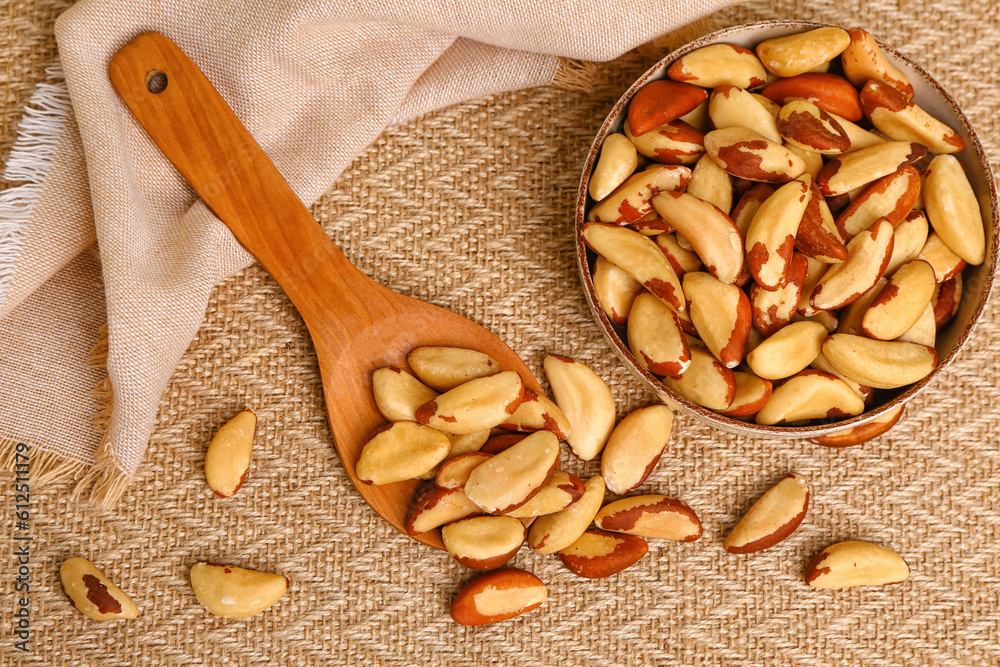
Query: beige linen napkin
{"x": 102, "y": 231}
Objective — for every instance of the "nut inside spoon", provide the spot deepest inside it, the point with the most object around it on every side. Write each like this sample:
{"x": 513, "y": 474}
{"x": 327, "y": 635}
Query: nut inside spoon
{"x": 357, "y": 326}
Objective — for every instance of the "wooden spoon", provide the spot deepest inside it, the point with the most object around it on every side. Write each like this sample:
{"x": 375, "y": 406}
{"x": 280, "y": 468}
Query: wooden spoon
{"x": 357, "y": 326}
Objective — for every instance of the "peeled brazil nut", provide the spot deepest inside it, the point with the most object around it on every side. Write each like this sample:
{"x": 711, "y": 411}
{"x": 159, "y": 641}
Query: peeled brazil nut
{"x": 483, "y": 542}
{"x": 235, "y": 592}
{"x": 810, "y": 394}
{"x": 864, "y": 60}
{"x": 630, "y": 201}
{"x": 512, "y": 477}
{"x": 772, "y": 518}
{"x": 497, "y": 596}
{"x": 463, "y": 443}
{"x": 821, "y": 363}
{"x": 711, "y": 232}
{"x": 398, "y": 394}
{"x": 896, "y": 116}
{"x": 435, "y": 506}
{"x": 851, "y": 317}
{"x": 721, "y": 315}
{"x": 454, "y": 473}
{"x": 868, "y": 254}
{"x": 615, "y": 290}
{"x": 653, "y": 516}
{"x": 923, "y": 331}
{"x": 855, "y": 563}
{"x": 828, "y": 319}
{"x": 730, "y": 106}
{"x": 879, "y": 363}
{"x": 656, "y": 339}
{"x": 662, "y": 101}
{"x": 805, "y": 125}
{"x": 681, "y": 260}
{"x": 635, "y": 446}
{"x": 953, "y": 209}
{"x": 93, "y": 594}
{"x": 698, "y": 117}
{"x": 772, "y": 107}
{"x": 752, "y": 393}
{"x": 901, "y": 302}
{"x": 476, "y": 405}
{"x": 638, "y": 256}
{"x": 770, "y": 311}
{"x": 813, "y": 160}
{"x": 749, "y": 204}
{"x": 717, "y": 65}
{"x": 706, "y": 382}
{"x": 617, "y": 162}
{"x": 553, "y": 532}
{"x": 227, "y": 459}
{"x": 599, "y": 553}
{"x": 814, "y": 271}
{"x": 401, "y": 451}
{"x": 946, "y": 264}
{"x": 946, "y": 300}
{"x": 860, "y": 137}
{"x": 586, "y": 401}
{"x": 651, "y": 225}
{"x": 858, "y": 168}
{"x": 771, "y": 235}
{"x": 788, "y": 351}
{"x": 537, "y": 413}
{"x": 711, "y": 183}
{"x": 908, "y": 239}
{"x": 829, "y": 92}
{"x": 559, "y": 492}
{"x": 444, "y": 368}
{"x": 750, "y": 155}
{"x": 891, "y": 197}
{"x": 802, "y": 52}
{"x": 862, "y": 433}
{"x": 675, "y": 142}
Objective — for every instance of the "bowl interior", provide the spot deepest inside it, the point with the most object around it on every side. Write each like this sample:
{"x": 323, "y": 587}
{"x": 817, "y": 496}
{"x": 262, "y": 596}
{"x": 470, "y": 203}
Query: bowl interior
{"x": 977, "y": 281}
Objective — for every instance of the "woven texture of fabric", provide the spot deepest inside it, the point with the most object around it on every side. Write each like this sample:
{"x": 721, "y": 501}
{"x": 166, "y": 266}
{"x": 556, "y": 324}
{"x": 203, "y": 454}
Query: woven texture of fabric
{"x": 471, "y": 208}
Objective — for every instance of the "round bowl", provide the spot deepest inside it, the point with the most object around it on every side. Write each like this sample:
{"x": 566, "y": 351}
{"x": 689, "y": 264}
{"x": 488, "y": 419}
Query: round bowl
{"x": 977, "y": 280}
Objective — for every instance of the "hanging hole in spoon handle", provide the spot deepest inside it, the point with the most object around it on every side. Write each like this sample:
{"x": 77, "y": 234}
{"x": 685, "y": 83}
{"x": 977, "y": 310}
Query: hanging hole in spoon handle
{"x": 156, "y": 81}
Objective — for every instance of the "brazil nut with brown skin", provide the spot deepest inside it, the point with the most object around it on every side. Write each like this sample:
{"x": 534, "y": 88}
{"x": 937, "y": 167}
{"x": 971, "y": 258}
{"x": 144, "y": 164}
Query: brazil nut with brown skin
{"x": 747, "y": 154}
{"x": 93, "y": 594}
{"x": 662, "y": 101}
{"x": 772, "y": 518}
{"x": 652, "y": 516}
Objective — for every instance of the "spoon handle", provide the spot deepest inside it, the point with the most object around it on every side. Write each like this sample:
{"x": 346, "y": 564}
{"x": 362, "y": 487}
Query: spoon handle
{"x": 216, "y": 154}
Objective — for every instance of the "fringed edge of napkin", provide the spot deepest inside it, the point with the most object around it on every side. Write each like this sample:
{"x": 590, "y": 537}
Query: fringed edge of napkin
{"x": 105, "y": 480}
{"x": 28, "y": 162}
{"x": 576, "y": 75}
{"x": 44, "y": 467}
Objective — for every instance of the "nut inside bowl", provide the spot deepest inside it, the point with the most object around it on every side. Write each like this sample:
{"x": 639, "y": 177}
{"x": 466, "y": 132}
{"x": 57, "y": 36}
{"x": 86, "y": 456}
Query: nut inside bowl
{"x": 978, "y": 280}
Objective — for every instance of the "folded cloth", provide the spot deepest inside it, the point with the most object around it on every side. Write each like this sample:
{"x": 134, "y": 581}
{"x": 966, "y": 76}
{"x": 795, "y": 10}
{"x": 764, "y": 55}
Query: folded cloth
{"x": 88, "y": 338}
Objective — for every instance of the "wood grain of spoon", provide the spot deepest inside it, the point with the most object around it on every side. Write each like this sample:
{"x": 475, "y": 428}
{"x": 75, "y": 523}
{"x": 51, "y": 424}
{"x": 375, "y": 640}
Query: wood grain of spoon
{"x": 356, "y": 325}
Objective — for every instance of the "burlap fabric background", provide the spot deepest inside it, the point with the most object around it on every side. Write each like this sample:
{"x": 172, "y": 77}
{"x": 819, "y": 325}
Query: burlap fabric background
{"x": 471, "y": 208}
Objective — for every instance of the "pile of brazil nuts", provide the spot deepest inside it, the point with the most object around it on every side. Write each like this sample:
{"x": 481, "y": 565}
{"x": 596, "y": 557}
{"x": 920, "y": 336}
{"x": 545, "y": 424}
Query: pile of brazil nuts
{"x": 809, "y": 254}
{"x": 489, "y": 450}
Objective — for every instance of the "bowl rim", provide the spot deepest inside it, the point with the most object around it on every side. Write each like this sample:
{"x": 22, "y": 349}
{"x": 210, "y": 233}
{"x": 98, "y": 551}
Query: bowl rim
{"x": 729, "y": 424}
